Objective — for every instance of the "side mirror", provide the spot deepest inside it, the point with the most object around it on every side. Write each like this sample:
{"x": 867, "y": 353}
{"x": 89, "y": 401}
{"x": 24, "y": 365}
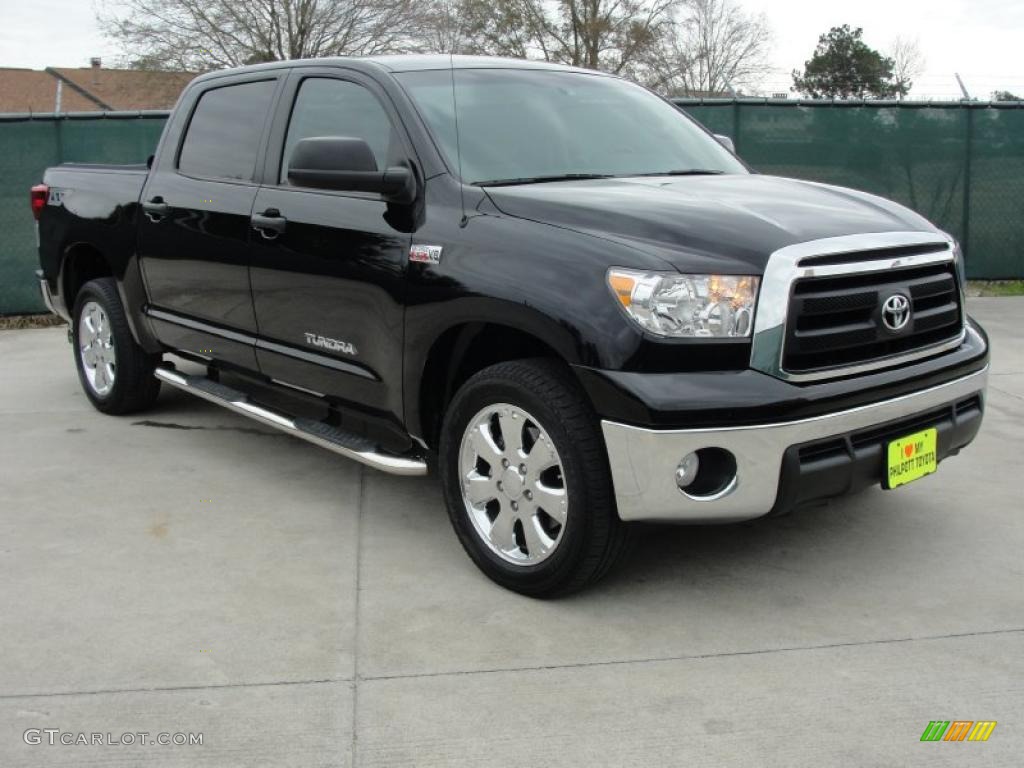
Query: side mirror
{"x": 726, "y": 142}
{"x": 347, "y": 164}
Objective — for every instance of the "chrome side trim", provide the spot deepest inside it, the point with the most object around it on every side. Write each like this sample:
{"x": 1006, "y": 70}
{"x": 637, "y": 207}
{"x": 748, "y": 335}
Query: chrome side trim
{"x": 298, "y": 388}
{"x": 315, "y": 359}
{"x": 331, "y": 438}
{"x": 784, "y": 268}
{"x": 197, "y": 325}
{"x": 643, "y": 461}
{"x": 258, "y": 343}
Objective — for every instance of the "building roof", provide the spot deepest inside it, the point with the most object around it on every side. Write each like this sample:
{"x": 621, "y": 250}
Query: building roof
{"x": 126, "y": 88}
{"x": 88, "y": 89}
{"x": 29, "y": 90}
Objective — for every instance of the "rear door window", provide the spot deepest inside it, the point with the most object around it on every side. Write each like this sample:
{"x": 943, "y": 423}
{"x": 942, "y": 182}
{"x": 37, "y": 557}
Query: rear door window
{"x": 223, "y": 136}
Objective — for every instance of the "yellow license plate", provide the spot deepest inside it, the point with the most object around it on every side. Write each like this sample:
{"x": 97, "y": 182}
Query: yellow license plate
{"x": 912, "y": 457}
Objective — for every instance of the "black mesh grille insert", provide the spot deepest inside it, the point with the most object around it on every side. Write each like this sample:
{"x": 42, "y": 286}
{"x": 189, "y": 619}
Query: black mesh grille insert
{"x": 837, "y": 321}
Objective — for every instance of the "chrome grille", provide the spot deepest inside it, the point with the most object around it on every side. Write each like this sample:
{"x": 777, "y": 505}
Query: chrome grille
{"x": 837, "y": 321}
{"x": 820, "y": 305}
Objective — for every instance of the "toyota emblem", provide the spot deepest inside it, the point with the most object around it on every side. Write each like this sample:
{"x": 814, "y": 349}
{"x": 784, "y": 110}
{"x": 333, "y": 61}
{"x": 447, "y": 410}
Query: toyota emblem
{"x": 896, "y": 312}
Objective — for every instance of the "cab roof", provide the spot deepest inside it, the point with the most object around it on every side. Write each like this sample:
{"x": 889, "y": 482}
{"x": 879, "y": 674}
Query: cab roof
{"x": 405, "y": 63}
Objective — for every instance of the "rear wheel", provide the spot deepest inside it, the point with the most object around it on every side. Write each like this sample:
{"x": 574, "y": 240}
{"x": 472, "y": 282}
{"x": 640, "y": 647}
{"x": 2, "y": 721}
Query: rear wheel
{"x": 116, "y": 373}
{"x": 526, "y": 479}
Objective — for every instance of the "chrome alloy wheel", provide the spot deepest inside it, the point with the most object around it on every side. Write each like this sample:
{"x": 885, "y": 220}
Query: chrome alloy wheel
{"x": 513, "y": 485}
{"x": 96, "y": 347}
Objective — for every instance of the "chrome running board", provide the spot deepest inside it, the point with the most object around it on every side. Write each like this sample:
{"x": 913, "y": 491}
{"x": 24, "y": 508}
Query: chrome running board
{"x": 317, "y": 432}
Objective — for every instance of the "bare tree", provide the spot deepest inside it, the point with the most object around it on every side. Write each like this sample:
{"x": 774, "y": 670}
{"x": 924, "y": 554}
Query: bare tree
{"x": 198, "y": 35}
{"x": 443, "y": 26}
{"x": 715, "y": 47}
{"x": 908, "y": 63}
{"x": 516, "y": 28}
{"x": 609, "y": 35}
{"x": 681, "y": 45}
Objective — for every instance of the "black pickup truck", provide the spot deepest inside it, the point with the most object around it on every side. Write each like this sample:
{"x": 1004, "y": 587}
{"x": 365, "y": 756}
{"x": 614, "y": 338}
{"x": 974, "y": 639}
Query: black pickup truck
{"x": 548, "y": 284}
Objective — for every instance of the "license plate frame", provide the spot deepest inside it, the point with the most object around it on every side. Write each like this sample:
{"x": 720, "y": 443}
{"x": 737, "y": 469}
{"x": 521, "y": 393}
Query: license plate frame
{"x": 911, "y": 457}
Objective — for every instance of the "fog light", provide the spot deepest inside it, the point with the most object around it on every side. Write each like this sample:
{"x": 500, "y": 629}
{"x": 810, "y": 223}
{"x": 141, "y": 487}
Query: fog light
{"x": 707, "y": 474}
{"x": 687, "y": 470}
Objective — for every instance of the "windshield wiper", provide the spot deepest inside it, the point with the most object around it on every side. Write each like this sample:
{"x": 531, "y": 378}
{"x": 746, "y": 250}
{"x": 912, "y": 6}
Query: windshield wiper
{"x": 541, "y": 179}
{"x": 684, "y": 172}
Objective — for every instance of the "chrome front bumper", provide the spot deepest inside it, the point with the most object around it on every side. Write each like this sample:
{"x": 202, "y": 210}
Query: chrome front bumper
{"x": 643, "y": 461}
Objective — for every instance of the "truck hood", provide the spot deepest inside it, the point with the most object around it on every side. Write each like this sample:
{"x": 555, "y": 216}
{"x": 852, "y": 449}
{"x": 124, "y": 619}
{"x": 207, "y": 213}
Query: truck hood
{"x": 729, "y": 223}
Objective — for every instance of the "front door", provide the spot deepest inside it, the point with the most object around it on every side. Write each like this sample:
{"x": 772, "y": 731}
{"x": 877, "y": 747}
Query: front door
{"x": 328, "y": 273}
{"x": 194, "y": 231}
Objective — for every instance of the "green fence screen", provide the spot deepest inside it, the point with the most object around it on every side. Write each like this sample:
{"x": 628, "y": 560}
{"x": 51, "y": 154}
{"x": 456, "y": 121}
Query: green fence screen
{"x": 959, "y": 165}
{"x": 27, "y": 147}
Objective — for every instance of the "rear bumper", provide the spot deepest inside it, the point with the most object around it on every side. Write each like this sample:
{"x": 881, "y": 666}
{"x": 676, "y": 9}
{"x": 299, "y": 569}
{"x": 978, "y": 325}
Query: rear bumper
{"x": 52, "y": 302}
{"x": 786, "y": 464}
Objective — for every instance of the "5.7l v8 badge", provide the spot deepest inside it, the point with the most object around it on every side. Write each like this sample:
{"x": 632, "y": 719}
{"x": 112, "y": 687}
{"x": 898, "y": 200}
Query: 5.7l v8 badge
{"x": 425, "y": 254}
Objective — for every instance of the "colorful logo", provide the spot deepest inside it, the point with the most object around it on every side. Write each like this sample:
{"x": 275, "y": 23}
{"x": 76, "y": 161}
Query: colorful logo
{"x": 958, "y": 730}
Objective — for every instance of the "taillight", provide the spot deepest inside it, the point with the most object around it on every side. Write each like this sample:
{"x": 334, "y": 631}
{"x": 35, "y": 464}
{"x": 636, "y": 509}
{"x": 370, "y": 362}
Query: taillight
{"x": 40, "y": 193}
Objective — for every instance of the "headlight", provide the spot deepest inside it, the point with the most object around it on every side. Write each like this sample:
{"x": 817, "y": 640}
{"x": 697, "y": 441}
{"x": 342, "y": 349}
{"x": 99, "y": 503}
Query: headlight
{"x": 669, "y": 304}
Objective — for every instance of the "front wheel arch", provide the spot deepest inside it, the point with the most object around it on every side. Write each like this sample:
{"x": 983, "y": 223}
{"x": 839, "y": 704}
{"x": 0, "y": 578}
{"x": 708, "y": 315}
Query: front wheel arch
{"x": 462, "y": 351}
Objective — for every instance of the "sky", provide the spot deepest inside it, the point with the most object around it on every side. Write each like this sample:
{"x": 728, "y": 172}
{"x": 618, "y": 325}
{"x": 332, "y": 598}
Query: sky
{"x": 980, "y": 39}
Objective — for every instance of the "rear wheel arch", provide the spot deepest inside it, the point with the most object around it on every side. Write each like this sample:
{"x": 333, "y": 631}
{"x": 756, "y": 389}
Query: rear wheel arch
{"x": 81, "y": 263}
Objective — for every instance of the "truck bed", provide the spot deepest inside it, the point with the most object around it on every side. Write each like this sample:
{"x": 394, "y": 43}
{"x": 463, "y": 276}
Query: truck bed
{"x": 90, "y": 203}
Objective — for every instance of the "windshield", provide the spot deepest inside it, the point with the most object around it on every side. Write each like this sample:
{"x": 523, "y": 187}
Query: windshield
{"x": 522, "y": 125}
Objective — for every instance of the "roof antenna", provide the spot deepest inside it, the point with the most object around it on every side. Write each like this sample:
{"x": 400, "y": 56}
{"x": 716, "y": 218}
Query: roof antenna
{"x": 458, "y": 146}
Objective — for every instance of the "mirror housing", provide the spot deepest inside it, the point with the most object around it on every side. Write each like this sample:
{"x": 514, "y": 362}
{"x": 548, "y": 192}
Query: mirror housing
{"x": 347, "y": 164}
{"x": 726, "y": 142}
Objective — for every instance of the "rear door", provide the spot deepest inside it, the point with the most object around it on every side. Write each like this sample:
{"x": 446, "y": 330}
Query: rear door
{"x": 194, "y": 232}
{"x": 328, "y": 287}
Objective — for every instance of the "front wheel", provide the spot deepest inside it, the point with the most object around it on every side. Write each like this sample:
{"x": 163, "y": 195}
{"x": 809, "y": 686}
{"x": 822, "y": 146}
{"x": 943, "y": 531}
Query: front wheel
{"x": 526, "y": 479}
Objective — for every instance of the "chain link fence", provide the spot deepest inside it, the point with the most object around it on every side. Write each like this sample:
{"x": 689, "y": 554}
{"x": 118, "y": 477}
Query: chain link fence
{"x": 959, "y": 165}
{"x": 28, "y": 144}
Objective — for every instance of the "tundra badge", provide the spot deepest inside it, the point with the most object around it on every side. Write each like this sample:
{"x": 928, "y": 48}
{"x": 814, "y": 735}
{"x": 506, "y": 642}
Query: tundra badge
{"x": 334, "y": 345}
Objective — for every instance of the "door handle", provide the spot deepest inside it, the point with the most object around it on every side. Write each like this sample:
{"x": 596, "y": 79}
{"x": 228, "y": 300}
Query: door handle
{"x": 270, "y": 223}
{"x": 155, "y": 209}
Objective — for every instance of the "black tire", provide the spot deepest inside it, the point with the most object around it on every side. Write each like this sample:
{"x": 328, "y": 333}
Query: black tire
{"x": 593, "y": 536}
{"x": 134, "y": 386}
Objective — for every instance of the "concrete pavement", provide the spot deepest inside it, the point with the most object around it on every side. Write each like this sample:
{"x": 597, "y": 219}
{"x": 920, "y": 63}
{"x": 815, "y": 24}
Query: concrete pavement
{"x": 188, "y": 570}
